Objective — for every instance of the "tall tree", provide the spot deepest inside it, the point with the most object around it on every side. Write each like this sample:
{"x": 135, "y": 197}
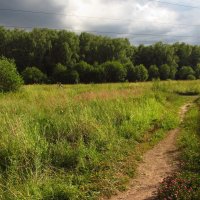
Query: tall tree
{"x": 183, "y": 51}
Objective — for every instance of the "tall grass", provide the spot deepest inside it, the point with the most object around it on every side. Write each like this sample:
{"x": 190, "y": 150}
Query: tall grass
{"x": 57, "y": 143}
{"x": 186, "y": 183}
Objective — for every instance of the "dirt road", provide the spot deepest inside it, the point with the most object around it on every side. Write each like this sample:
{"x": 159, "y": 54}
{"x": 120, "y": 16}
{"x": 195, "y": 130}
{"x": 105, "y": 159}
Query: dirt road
{"x": 157, "y": 164}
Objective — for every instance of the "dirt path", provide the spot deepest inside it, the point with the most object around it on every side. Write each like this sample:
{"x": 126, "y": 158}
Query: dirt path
{"x": 157, "y": 164}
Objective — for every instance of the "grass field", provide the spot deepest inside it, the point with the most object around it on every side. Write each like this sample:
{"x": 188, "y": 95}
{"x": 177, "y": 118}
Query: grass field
{"x": 79, "y": 141}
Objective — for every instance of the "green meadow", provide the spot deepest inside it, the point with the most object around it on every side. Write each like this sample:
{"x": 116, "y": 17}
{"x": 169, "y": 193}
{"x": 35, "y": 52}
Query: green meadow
{"x": 82, "y": 141}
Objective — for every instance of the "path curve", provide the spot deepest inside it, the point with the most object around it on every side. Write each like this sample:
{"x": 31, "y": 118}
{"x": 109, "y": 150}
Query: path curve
{"x": 157, "y": 164}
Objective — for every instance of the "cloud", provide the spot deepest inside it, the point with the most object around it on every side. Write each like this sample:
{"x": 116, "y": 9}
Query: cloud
{"x": 30, "y": 19}
{"x": 140, "y": 20}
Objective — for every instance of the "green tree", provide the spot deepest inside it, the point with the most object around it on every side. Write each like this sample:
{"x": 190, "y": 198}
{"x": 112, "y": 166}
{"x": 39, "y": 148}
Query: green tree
{"x": 114, "y": 71}
{"x": 173, "y": 71}
{"x": 20, "y": 48}
{"x": 183, "y": 51}
{"x": 130, "y": 72}
{"x": 184, "y": 72}
{"x": 10, "y": 80}
{"x": 72, "y": 77}
{"x": 164, "y": 72}
{"x": 191, "y": 77}
{"x": 197, "y": 71}
{"x": 153, "y": 72}
{"x": 65, "y": 48}
{"x": 33, "y": 75}
{"x": 195, "y": 56}
{"x": 98, "y": 74}
{"x": 4, "y": 38}
{"x": 156, "y": 54}
{"x": 85, "y": 71}
{"x": 59, "y": 73}
{"x": 164, "y": 54}
{"x": 43, "y": 55}
{"x": 141, "y": 73}
{"x": 101, "y": 49}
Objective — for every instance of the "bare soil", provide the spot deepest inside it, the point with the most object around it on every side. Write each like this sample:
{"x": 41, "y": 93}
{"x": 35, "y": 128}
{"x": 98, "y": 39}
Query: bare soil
{"x": 156, "y": 164}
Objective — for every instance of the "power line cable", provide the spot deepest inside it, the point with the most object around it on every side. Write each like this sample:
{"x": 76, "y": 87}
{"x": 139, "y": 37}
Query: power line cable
{"x": 175, "y": 4}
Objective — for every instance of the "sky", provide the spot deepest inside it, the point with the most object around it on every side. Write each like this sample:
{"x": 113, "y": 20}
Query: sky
{"x": 141, "y": 21}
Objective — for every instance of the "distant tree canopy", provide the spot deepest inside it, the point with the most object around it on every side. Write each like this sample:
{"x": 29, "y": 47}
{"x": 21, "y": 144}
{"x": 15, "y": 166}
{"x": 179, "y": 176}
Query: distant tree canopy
{"x": 66, "y": 57}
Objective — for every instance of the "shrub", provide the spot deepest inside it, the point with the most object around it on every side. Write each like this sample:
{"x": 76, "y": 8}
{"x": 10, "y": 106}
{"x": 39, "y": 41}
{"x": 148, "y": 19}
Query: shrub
{"x": 153, "y": 72}
{"x": 130, "y": 72}
{"x": 98, "y": 74}
{"x": 114, "y": 71}
{"x": 179, "y": 188}
{"x": 197, "y": 71}
{"x": 33, "y": 75}
{"x": 173, "y": 71}
{"x": 85, "y": 71}
{"x": 72, "y": 77}
{"x": 10, "y": 80}
{"x": 141, "y": 73}
{"x": 59, "y": 73}
{"x": 164, "y": 72}
{"x": 184, "y": 72}
{"x": 191, "y": 77}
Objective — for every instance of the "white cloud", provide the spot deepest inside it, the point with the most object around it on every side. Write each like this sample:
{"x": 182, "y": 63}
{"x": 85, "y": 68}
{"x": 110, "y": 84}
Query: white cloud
{"x": 133, "y": 17}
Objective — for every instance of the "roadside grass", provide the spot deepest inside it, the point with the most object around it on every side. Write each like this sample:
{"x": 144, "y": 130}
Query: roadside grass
{"x": 185, "y": 185}
{"x": 54, "y": 144}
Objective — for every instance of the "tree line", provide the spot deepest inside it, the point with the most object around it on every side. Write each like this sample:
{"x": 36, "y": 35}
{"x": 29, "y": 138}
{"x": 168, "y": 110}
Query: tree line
{"x": 51, "y": 56}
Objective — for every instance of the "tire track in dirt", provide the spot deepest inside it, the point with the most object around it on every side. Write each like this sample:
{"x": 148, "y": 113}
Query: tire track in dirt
{"x": 157, "y": 164}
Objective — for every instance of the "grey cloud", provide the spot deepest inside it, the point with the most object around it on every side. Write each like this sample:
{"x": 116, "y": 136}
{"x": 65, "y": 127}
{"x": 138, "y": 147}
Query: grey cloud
{"x": 30, "y": 19}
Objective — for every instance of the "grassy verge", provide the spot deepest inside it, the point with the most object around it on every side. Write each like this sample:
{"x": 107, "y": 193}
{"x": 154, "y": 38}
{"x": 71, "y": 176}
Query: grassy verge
{"x": 79, "y": 142}
{"x": 185, "y": 185}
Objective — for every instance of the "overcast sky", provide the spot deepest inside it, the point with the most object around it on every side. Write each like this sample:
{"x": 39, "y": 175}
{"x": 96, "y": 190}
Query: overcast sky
{"x": 116, "y": 18}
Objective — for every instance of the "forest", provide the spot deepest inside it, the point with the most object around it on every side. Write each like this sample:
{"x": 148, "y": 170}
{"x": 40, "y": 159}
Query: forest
{"x": 60, "y": 56}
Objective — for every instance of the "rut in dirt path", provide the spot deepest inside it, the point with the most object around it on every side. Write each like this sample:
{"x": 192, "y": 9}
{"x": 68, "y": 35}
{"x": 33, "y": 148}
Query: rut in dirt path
{"x": 157, "y": 164}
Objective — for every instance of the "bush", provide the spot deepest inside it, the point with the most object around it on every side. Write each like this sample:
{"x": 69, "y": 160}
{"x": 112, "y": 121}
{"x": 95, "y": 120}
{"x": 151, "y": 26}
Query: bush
{"x": 197, "y": 71}
{"x": 114, "y": 71}
{"x": 153, "y": 72}
{"x": 184, "y": 72}
{"x": 98, "y": 74}
{"x": 59, "y": 73}
{"x": 10, "y": 80}
{"x": 141, "y": 73}
{"x": 85, "y": 71}
{"x": 72, "y": 77}
{"x": 33, "y": 75}
{"x": 180, "y": 187}
{"x": 191, "y": 77}
{"x": 130, "y": 72}
{"x": 164, "y": 72}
